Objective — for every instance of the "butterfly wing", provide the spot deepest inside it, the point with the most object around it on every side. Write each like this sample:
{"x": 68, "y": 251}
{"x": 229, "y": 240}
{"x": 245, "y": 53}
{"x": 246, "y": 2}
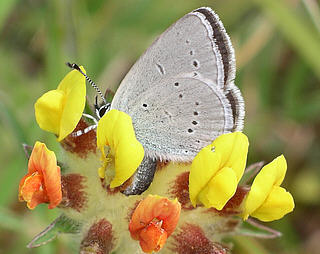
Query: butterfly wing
{"x": 180, "y": 93}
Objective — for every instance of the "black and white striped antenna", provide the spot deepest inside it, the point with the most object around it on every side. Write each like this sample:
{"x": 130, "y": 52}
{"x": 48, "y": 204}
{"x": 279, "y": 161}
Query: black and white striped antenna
{"x": 76, "y": 67}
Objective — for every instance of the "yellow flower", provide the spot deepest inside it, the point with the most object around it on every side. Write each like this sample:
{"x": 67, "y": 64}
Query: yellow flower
{"x": 59, "y": 111}
{"x": 115, "y": 130}
{"x": 217, "y": 169}
{"x": 266, "y": 200}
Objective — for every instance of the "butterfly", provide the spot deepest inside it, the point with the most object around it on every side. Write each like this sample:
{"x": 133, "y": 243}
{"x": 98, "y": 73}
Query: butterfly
{"x": 180, "y": 93}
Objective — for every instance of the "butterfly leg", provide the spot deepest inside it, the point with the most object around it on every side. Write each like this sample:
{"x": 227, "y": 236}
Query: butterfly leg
{"x": 91, "y": 117}
{"x": 143, "y": 177}
{"x": 81, "y": 132}
{"x": 86, "y": 130}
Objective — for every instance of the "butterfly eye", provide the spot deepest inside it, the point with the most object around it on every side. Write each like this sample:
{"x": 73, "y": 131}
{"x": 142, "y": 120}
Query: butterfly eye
{"x": 103, "y": 109}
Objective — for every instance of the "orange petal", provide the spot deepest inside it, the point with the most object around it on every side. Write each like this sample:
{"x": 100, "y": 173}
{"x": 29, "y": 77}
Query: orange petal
{"x": 152, "y": 238}
{"x": 21, "y": 185}
{"x": 52, "y": 179}
{"x": 38, "y": 197}
{"x": 35, "y": 158}
{"x": 30, "y": 185}
{"x": 154, "y": 211}
{"x": 42, "y": 172}
{"x": 31, "y": 190}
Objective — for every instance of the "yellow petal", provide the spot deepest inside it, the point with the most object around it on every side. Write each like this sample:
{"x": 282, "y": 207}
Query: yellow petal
{"x": 59, "y": 111}
{"x": 115, "y": 130}
{"x": 278, "y": 203}
{"x": 105, "y": 129}
{"x": 220, "y": 189}
{"x": 282, "y": 169}
{"x": 74, "y": 87}
{"x": 48, "y": 110}
{"x": 204, "y": 166}
{"x": 233, "y": 148}
{"x": 71, "y": 80}
{"x": 270, "y": 175}
{"x": 128, "y": 157}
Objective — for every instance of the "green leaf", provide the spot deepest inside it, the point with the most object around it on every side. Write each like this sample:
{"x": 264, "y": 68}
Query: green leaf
{"x": 255, "y": 229}
{"x": 62, "y": 224}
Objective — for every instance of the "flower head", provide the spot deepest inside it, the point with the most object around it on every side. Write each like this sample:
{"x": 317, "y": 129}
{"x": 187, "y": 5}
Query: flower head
{"x": 58, "y": 111}
{"x": 153, "y": 221}
{"x": 266, "y": 200}
{"x": 217, "y": 169}
{"x": 42, "y": 183}
{"x": 115, "y": 130}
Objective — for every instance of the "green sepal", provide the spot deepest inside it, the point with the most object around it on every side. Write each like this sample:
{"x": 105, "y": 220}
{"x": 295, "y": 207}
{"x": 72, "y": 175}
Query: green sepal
{"x": 109, "y": 94}
{"x": 252, "y": 228}
{"x": 250, "y": 172}
{"x": 62, "y": 224}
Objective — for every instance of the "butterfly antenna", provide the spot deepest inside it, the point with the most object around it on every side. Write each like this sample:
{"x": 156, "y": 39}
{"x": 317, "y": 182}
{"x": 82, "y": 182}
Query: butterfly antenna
{"x": 76, "y": 67}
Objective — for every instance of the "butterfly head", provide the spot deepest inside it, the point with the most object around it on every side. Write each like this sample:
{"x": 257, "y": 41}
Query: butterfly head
{"x": 101, "y": 109}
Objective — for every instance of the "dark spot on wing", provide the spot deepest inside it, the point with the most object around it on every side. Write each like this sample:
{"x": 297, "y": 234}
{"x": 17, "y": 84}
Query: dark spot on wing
{"x": 195, "y": 63}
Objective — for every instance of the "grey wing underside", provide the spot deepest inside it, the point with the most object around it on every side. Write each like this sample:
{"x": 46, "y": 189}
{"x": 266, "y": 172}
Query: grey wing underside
{"x": 180, "y": 93}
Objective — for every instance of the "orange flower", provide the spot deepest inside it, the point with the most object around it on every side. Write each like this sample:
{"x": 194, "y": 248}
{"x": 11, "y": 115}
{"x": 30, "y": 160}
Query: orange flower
{"x": 153, "y": 221}
{"x": 42, "y": 183}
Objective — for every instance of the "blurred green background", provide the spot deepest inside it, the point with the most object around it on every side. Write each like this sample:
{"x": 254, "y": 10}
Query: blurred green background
{"x": 277, "y": 44}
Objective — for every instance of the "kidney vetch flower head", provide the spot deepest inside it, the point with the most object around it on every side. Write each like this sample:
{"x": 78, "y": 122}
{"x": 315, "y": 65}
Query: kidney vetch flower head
{"x": 188, "y": 208}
